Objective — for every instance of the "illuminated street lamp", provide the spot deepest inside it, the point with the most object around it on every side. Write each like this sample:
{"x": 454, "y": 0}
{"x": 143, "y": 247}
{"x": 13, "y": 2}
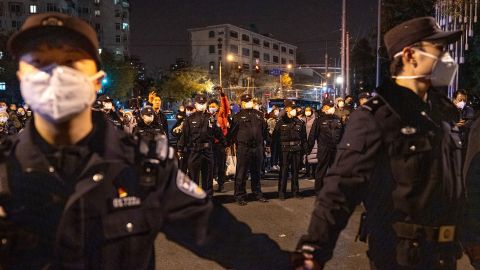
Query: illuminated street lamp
{"x": 339, "y": 80}
{"x": 289, "y": 66}
{"x": 230, "y": 58}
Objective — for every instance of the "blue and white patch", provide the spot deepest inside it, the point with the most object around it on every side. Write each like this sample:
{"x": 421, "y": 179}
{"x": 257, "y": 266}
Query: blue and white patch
{"x": 188, "y": 187}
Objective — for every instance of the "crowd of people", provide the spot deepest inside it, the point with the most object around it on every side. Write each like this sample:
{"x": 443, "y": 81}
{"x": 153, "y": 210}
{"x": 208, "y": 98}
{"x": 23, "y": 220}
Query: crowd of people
{"x": 214, "y": 144}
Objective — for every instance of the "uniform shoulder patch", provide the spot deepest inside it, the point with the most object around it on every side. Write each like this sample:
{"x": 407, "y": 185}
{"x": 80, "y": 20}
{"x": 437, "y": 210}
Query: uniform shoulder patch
{"x": 188, "y": 187}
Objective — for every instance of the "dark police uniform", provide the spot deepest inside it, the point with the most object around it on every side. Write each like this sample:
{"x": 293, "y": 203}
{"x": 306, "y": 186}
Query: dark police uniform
{"x": 198, "y": 135}
{"x": 162, "y": 121}
{"x": 326, "y": 131}
{"x": 249, "y": 130}
{"x": 150, "y": 131}
{"x": 399, "y": 156}
{"x": 112, "y": 115}
{"x": 292, "y": 135}
{"x": 100, "y": 204}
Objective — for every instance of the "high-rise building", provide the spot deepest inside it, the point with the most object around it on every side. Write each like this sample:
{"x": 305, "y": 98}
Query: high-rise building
{"x": 239, "y": 47}
{"x": 110, "y": 18}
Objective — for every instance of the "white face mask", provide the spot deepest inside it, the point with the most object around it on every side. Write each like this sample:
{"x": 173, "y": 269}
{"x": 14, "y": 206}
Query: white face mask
{"x": 330, "y": 111}
{"x": 308, "y": 113}
{"x": 461, "y": 105}
{"x": 200, "y": 107}
{"x": 293, "y": 113}
{"x": 212, "y": 110}
{"x": 443, "y": 70}
{"x": 249, "y": 105}
{"x": 341, "y": 104}
{"x": 3, "y": 119}
{"x": 107, "y": 106}
{"x": 188, "y": 113}
{"x": 148, "y": 119}
{"x": 59, "y": 95}
{"x": 276, "y": 112}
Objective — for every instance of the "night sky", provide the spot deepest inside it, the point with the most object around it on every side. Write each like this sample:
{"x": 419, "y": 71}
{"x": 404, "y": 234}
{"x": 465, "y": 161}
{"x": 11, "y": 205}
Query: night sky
{"x": 159, "y": 27}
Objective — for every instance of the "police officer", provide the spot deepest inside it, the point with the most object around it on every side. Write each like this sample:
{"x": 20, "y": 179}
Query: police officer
{"x": 199, "y": 132}
{"x": 249, "y": 130}
{"x": 363, "y": 98}
{"x": 326, "y": 131}
{"x": 109, "y": 109}
{"x": 147, "y": 127}
{"x": 81, "y": 194}
{"x": 400, "y": 155}
{"x": 292, "y": 135}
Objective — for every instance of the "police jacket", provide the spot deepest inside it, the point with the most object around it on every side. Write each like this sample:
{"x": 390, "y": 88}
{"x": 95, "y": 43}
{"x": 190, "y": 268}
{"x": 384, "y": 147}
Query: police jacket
{"x": 400, "y": 156}
{"x": 148, "y": 131}
{"x": 291, "y": 134}
{"x": 114, "y": 118}
{"x": 105, "y": 212}
{"x": 199, "y": 132}
{"x": 161, "y": 119}
{"x": 248, "y": 128}
{"x": 326, "y": 131}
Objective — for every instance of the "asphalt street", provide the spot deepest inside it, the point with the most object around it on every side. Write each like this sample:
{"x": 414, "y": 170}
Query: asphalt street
{"x": 284, "y": 221}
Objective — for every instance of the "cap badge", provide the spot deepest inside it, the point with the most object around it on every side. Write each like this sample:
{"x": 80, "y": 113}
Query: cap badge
{"x": 52, "y": 21}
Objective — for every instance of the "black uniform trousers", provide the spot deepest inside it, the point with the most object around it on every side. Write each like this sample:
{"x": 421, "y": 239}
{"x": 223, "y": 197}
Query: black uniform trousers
{"x": 290, "y": 160}
{"x": 219, "y": 160}
{"x": 248, "y": 159}
{"x": 325, "y": 158}
{"x": 200, "y": 166}
{"x": 183, "y": 163}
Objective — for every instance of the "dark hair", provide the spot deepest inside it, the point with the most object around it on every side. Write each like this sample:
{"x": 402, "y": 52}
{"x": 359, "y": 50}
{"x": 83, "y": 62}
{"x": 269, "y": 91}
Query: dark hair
{"x": 460, "y": 92}
{"x": 213, "y": 101}
{"x": 396, "y": 66}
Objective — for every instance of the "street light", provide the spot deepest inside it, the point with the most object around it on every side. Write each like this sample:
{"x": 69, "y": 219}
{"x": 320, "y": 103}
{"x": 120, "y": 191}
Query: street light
{"x": 289, "y": 66}
{"x": 230, "y": 58}
{"x": 339, "y": 80}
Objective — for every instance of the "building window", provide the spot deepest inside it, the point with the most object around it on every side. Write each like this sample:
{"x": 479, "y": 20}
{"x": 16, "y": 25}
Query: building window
{"x": 211, "y": 66}
{"x": 290, "y": 61}
{"x": 290, "y": 51}
{"x": 256, "y": 41}
{"x": 245, "y": 38}
{"x": 125, "y": 38}
{"x": 15, "y": 8}
{"x": 125, "y": 26}
{"x": 284, "y": 49}
{"x": 284, "y": 61}
{"x": 3, "y": 86}
{"x": 51, "y": 7}
{"x": 16, "y": 24}
{"x": 246, "y": 67}
{"x": 117, "y": 38}
{"x": 275, "y": 47}
{"x": 275, "y": 59}
{"x": 33, "y": 9}
{"x": 97, "y": 12}
{"x": 266, "y": 44}
{"x": 233, "y": 34}
{"x": 234, "y": 49}
{"x": 211, "y": 34}
{"x": 211, "y": 49}
{"x": 256, "y": 54}
{"x": 97, "y": 27}
{"x": 266, "y": 57}
{"x": 117, "y": 26}
{"x": 245, "y": 52}
{"x": 118, "y": 13}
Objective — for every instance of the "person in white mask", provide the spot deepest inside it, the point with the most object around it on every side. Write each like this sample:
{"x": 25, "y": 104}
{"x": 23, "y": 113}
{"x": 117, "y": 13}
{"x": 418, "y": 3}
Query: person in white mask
{"x": 146, "y": 126}
{"x": 467, "y": 114}
{"x": 77, "y": 193}
{"x": 400, "y": 155}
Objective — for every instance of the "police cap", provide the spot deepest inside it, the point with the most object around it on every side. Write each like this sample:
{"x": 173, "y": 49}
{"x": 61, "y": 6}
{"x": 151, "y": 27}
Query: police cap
{"x": 364, "y": 95}
{"x": 246, "y": 97}
{"x": 147, "y": 111}
{"x": 104, "y": 98}
{"x": 202, "y": 99}
{"x": 328, "y": 102}
{"x": 414, "y": 31}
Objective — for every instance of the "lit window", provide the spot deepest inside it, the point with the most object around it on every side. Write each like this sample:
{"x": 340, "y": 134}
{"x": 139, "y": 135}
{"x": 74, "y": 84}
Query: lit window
{"x": 125, "y": 26}
{"x": 33, "y": 9}
{"x": 97, "y": 12}
{"x": 3, "y": 86}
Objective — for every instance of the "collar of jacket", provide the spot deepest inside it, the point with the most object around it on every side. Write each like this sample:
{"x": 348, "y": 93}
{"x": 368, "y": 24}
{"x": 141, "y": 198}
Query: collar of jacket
{"x": 410, "y": 106}
{"x": 108, "y": 143}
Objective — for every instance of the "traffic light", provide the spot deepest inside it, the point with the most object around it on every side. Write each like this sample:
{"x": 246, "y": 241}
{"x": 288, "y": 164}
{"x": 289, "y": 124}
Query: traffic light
{"x": 257, "y": 68}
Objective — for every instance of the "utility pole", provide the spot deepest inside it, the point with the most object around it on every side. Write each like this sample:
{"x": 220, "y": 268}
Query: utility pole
{"x": 379, "y": 36}
{"x": 343, "y": 53}
{"x": 347, "y": 66}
